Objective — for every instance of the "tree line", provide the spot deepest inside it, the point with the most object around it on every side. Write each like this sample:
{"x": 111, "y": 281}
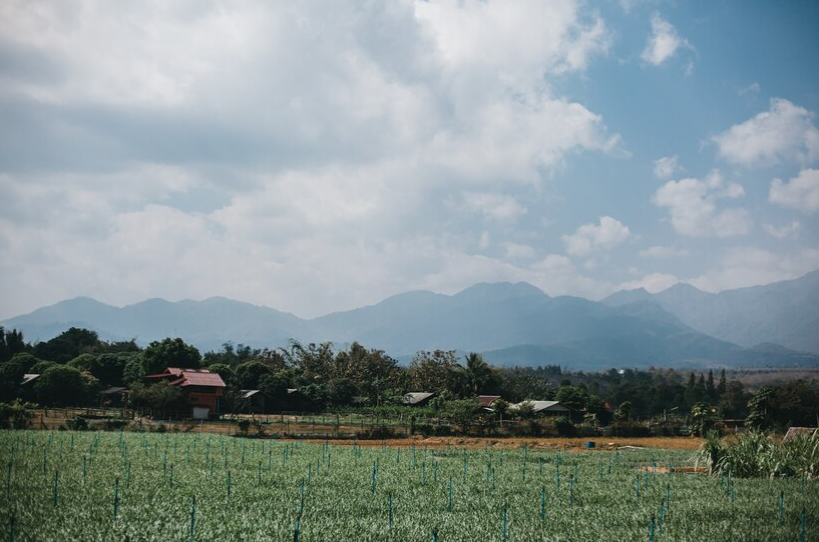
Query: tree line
{"x": 76, "y": 365}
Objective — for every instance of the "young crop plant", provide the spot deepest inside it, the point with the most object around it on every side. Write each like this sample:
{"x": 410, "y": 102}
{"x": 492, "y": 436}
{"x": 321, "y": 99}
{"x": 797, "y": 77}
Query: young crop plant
{"x": 103, "y": 486}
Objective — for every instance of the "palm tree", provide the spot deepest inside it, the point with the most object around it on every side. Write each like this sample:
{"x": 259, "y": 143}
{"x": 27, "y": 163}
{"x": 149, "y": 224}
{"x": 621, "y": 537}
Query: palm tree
{"x": 477, "y": 372}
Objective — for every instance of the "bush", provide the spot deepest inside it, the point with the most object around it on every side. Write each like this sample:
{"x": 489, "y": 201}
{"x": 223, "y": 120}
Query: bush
{"x": 388, "y": 410}
{"x": 461, "y": 411}
{"x": 61, "y": 385}
{"x": 378, "y": 432}
{"x": 16, "y": 415}
{"x": 564, "y": 426}
{"x": 624, "y": 428}
{"x": 77, "y": 423}
{"x": 160, "y": 396}
{"x": 244, "y": 425}
{"x": 42, "y": 366}
{"x": 115, "y": 425}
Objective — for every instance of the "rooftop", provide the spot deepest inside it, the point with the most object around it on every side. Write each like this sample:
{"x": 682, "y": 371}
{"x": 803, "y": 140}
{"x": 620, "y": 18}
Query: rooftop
{"x": 487, "y": 400}
{"x": 415, "y": 397}
{"x": 538, "y": 406}
{"x": 191, "y": 377}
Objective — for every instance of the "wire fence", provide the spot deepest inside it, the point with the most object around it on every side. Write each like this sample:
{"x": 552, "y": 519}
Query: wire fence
{"x": 328, "y": 425}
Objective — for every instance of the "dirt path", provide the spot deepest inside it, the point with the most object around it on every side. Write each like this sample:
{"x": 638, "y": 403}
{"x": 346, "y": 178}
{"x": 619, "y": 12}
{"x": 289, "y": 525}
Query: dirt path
{"x": 572, "y": 444}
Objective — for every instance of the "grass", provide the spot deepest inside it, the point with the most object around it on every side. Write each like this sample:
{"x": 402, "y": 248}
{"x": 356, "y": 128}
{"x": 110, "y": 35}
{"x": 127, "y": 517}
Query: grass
{"x": 160, "y": 474}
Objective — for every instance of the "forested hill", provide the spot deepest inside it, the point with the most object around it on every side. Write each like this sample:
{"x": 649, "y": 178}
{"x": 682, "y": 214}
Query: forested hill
{"x": 512, "y": 323}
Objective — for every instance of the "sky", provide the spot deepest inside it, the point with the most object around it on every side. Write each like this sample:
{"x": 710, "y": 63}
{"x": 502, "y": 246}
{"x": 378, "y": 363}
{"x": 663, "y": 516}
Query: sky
{"x": 317, "y": 156}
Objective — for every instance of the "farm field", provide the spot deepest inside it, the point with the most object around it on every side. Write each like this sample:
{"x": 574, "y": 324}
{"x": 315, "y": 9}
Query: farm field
{"x": 110, "y": 486}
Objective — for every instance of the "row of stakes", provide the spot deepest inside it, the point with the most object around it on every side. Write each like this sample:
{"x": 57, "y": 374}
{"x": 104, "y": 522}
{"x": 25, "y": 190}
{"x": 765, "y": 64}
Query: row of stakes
{"x": 325, "y": 449}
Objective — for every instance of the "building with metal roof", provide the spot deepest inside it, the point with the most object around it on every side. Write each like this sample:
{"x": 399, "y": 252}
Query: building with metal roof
{"x": 417, "y": 398}
{"x": 203, "y": 389}
{"x": 545, "y": 407}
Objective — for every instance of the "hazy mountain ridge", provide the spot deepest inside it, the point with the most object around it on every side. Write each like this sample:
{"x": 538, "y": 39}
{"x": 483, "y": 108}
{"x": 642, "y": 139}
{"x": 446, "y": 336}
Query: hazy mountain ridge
{"x": 511, "y": 323}
{"x": 784, "y": 313}
{"x": 206, "y": 324}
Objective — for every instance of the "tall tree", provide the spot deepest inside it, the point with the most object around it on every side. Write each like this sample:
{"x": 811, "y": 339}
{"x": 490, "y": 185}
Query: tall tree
{"x": 574, "y": 397}
{"x": 710, "y": 389}
{"x": 437, "y": 371}
{"x": 62, "y": 385}
{"x": 723, "y": 385}
{"x": 758, "y": 406}
{"x": 68, "y": 345}
{"x": 170, "y": 353}
{"x": 11, "y": 342}
{"x": 248, "y": 374}
{"x": 478, "y": 372}
{"x": 313, "y": 361}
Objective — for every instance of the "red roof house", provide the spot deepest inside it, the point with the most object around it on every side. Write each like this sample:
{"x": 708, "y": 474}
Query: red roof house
{"x": 203, "y": 388}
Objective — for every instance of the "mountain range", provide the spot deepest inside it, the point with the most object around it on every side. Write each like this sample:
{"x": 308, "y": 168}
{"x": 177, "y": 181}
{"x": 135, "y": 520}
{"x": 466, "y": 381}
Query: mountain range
{"x": 511, "y": 324}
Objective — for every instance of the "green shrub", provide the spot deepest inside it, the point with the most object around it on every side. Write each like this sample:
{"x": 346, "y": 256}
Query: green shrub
{"x": 16, "y": 415}
{"x": 564, "y": 426}
{"x": 244, "y": 425}
{"x": 77, "y": 423}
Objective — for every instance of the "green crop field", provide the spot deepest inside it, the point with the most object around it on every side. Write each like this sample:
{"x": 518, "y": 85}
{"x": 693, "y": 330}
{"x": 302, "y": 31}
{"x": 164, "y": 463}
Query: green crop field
{"x": 98, "y": 486}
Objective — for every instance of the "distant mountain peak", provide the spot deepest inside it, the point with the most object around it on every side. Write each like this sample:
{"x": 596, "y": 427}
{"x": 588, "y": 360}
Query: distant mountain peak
{"x": 679, "y": 325}
{"x": 150, "y": 302}
{"x": 624, "y": 297}
{"x": 81, "y": 301}
{"x": 499, "y": 290}
{"x": 683, "y": 287}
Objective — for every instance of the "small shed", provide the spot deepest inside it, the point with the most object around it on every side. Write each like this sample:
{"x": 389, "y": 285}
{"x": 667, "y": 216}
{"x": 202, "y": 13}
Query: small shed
{"x": 296, "y": 401}
{"x": 253, "y": 401}
{"x": 116, "y": 396}
{"x": 417, "y": 398}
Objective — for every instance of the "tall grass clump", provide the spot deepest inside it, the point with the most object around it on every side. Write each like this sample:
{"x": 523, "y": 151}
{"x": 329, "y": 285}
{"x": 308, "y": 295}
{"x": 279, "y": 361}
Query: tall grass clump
{"x": 755, "y": 454}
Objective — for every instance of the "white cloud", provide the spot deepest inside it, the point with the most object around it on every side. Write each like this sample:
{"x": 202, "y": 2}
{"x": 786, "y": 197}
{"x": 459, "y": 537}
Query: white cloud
{"x": 608, "y": 233}
{"x": 751, "y": 266}
{"x": 653, "y": 282}
{"x": 693, "y": 206}
{"x": 663, "y": 252}
{"x": 484, "y": 240}
{"x": 784, "y": 133}
{"x": 663, "y": 43}
{"x": 783, "y": 232}
{"x": 517, "y": 41}
{"x": 628, "y": 5}
{"x": 495, "y": 206}
{"x": 666, "y": 166}
{"x": 313, "y": 148}
{"x": 752, "y": 89}
{"x": 557, "y": 275}
{"x": 518, "y": 251}
{"x": 801, "y": 192}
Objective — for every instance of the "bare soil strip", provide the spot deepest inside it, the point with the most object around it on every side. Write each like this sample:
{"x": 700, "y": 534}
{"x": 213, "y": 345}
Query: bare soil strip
{"x": 533, "y": 443}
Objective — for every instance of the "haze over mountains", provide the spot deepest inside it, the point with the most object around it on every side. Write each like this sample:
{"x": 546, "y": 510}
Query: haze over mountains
{"x": 784, "y": 313}
{"x": 512, "y": 324}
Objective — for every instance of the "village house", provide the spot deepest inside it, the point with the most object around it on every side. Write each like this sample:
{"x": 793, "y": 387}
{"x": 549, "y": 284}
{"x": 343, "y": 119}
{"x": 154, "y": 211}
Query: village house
{"x": 203, "y": 389}
{"x": 545, "y": 408}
